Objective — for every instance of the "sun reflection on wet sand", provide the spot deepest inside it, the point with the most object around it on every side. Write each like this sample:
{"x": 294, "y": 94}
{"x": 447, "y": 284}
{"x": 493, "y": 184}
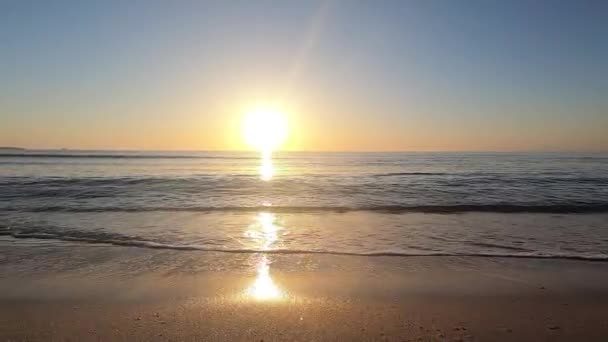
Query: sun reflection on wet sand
{"x": 263, "y": 287}
{"x": 264, "y": 233}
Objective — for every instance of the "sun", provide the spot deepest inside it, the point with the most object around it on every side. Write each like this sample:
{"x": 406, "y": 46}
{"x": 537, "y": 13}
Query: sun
{"x": 265, "y": 128}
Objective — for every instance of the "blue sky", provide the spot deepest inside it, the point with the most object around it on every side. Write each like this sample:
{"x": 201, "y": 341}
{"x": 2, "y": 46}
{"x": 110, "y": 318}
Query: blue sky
{"x": 351, "y": 75}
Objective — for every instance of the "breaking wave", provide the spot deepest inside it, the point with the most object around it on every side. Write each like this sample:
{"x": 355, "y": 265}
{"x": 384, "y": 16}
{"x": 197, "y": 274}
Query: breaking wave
{"x": 126, "y": 242}
{"x": 396, "y": 209}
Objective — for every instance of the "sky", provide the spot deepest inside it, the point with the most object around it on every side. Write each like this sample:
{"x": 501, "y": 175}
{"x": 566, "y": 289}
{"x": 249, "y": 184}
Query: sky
{"x": 428, "y": 75}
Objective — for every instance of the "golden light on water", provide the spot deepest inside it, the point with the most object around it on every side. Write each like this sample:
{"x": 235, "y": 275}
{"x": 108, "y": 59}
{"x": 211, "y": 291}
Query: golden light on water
{"x": 265, "y": 129}
{"x": 266, "y": 169}
{"x": 264, "y": 233}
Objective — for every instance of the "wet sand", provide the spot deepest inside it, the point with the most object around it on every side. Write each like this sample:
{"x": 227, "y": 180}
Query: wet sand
{"x": 129, "y": 294}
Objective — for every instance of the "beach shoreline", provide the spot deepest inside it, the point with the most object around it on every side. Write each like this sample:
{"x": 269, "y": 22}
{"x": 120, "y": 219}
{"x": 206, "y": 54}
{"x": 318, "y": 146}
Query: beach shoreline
{"x": 120, "y": 293}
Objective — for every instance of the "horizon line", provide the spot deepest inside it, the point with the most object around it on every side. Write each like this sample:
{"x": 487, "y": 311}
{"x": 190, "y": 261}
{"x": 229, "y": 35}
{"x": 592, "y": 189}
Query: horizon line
{"x": 26, "y": 149}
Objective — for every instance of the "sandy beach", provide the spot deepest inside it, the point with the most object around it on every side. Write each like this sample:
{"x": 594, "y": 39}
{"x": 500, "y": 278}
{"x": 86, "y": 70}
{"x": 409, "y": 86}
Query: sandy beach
{"x": 77, "y": 293}
{"x": 303, "y": 171}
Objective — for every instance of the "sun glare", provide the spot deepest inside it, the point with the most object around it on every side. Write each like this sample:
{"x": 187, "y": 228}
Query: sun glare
{"x": 265, "y": 129}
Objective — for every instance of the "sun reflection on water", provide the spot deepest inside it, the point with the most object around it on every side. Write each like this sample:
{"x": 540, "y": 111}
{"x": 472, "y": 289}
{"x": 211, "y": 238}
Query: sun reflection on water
{"x": 266, "y": 168}
{"x": 264, "y": 233}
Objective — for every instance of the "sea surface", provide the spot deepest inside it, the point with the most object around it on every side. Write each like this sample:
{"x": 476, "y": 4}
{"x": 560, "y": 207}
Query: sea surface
{"x": 542, "y": 205}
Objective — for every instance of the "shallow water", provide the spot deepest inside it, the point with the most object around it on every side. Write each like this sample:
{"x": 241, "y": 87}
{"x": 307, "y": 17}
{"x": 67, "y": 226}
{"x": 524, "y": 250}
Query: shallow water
{"x": 521, "y": 205}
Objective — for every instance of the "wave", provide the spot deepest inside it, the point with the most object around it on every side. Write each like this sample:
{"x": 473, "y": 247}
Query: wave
{"x": 395, "y": 209}
{"x": 492, "y": 245}
{"x": 390, "y": 174}
{"x": 157, "y": 245}
{"x": 493, "y": 181}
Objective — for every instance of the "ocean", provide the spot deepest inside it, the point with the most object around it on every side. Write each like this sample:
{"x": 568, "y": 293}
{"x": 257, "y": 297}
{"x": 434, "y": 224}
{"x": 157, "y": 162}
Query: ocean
{"x": 540, "y": 205}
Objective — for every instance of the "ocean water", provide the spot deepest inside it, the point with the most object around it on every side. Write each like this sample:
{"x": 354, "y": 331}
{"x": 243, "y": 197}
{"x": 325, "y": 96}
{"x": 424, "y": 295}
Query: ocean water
{"x": 549, "y": 205}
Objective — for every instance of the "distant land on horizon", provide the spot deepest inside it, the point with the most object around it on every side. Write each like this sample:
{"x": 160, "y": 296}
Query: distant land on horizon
{"x": 12, "y": 148}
